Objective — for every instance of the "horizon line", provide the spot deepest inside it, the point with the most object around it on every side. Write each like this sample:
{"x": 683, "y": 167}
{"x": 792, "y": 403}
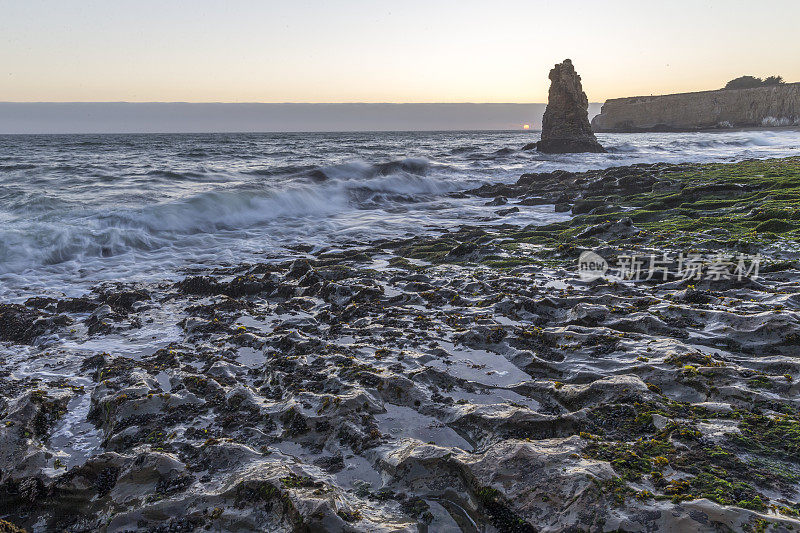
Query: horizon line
{"x": 521, "y": 130}
{"x": 265, "y": 103}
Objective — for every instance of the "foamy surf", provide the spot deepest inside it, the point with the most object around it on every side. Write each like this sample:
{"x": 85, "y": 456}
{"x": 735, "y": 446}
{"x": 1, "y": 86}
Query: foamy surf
{"x": 76, "y": 210}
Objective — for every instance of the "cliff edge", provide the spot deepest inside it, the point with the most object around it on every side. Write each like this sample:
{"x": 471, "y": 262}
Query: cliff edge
{"x": 777, "y": 105}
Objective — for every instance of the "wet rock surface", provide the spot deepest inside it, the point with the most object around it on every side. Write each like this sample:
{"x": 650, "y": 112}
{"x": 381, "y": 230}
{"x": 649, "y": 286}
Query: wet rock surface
{"x": 470, "y": 381}
{"x": 21, "y": 324}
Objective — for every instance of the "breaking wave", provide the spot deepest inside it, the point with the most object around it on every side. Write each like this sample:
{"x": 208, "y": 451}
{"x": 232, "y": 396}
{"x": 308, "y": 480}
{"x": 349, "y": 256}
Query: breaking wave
{"x": 707, "y": 144}
{"x": 108, "y": 233}
{"x": 76, "y": 209}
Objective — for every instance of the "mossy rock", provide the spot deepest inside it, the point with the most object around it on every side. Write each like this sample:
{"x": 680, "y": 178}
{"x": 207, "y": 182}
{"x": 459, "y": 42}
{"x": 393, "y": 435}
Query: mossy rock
{"x": 775, "y": 225}
{"x": 584, "y": 206}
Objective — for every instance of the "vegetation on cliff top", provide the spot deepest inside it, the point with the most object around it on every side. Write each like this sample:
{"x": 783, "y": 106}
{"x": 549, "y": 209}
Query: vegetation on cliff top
{"x": 749, "y": 82}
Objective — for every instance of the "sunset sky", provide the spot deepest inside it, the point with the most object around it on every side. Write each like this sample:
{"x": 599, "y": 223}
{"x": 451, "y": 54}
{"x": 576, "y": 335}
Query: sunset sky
{"x": 384, "y": 51}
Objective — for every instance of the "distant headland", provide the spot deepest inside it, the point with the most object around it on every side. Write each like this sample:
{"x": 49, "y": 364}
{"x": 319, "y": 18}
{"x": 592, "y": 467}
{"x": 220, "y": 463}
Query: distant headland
{"x": 764, "y": 105}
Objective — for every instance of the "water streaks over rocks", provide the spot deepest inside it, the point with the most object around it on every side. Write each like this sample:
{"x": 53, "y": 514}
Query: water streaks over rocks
{"x": 470, "y": 381}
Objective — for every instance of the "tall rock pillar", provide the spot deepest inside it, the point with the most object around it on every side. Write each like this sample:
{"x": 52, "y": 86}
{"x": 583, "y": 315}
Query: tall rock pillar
{"x": 565, "y": 126}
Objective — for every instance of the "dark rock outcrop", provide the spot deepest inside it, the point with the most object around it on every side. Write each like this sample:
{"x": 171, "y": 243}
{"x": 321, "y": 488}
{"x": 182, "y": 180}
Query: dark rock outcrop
{"x": 21, "y": 325}
{"x": 565, "y": 126}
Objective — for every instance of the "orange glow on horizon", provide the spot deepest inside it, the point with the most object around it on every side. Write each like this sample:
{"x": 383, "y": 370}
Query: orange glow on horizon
{"x": 526, "y": 126}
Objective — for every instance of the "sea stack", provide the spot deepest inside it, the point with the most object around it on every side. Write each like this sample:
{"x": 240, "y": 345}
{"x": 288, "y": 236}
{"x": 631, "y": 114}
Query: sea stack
{"x": 565, "y": 126}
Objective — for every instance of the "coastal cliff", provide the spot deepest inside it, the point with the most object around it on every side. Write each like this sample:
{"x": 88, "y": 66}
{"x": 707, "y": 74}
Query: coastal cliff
{"x": 777, "y": 105}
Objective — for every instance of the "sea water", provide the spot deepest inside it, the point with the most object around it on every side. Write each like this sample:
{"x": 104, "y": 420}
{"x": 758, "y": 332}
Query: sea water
{"x": 76, "y": 210}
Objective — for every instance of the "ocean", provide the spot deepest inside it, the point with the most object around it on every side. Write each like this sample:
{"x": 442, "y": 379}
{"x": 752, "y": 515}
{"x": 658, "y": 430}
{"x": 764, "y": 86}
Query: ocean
{"x": 76, "y": 210}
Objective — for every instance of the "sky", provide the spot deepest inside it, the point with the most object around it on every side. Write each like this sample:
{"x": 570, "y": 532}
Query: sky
{"x": 383, "y": 51}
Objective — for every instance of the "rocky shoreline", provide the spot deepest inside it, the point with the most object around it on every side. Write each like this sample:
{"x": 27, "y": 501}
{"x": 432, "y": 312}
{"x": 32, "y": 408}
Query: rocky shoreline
{"x": 467, "y": 381}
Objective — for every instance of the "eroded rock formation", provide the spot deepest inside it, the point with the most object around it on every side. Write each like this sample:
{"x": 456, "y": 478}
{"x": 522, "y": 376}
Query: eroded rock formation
{"x": 565, "y": 126}
{"x": 772, "y": 106}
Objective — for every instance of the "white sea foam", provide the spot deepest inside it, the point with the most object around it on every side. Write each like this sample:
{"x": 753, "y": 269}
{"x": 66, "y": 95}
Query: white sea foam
{"x": 776, "y": 122}
{"x": 75, "y": 210}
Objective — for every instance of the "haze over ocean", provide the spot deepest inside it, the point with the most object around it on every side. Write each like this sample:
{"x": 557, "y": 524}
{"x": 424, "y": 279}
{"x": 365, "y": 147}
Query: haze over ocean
{"x": 159, "y": 117}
